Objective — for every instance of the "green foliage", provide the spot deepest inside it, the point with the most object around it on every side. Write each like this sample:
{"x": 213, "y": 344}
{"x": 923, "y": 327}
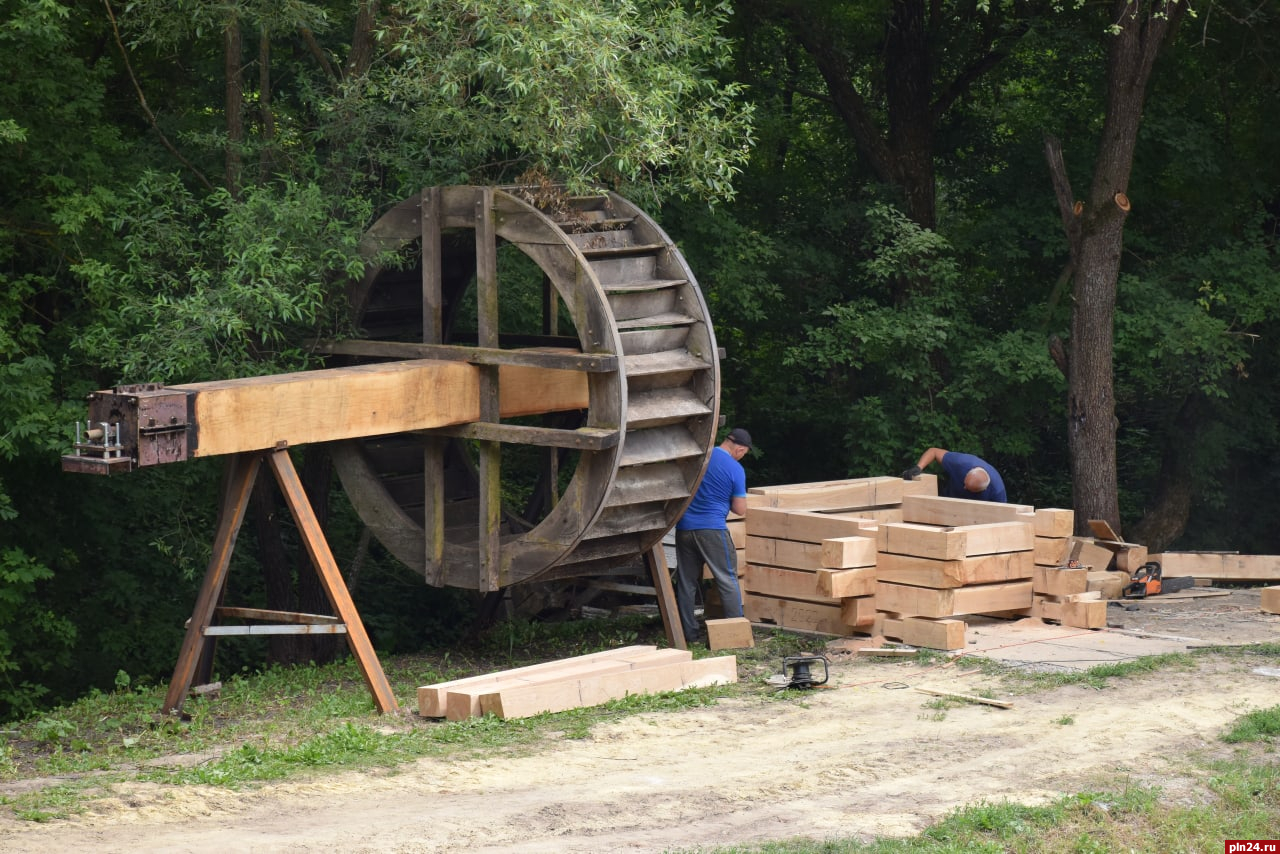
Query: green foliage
{"x": 1258, "y": 725}
{"x": 218, "y": 287}
{"x": 622, "y": 93}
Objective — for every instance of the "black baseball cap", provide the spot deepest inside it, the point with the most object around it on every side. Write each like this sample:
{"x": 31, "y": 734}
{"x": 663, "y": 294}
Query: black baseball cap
{"x": 740, "y": 437}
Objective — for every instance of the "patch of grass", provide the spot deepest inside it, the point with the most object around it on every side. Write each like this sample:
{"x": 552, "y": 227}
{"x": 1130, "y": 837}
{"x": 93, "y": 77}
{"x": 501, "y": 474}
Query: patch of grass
{"x": 1065, "y": 720}
{"x": 1260, "y": 725}
{"x": 1242, "y": 804}
{"x": 1097, "y": 677}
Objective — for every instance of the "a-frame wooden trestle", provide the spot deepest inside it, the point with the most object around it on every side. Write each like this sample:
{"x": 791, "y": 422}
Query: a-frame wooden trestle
{"x": 242, "y": 472}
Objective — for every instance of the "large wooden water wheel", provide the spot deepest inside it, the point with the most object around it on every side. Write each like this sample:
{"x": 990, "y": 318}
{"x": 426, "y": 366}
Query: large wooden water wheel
{"x": 515, "y": 276}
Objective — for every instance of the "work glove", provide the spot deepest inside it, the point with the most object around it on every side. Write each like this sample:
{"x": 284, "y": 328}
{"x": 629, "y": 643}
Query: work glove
{"x": 911, "y": 473}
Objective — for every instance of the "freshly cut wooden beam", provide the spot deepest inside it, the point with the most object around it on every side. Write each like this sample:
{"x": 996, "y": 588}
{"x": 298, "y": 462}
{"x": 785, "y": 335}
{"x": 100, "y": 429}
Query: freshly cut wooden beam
{"x": 1059, "y": 581}
{"x": 1052, "y": 522}
{"x": 1130, "y": 557}
{"x": 1220, "y": 566}
{"x": 849, "y": 494}
{"x": 841, "y": 583}
{"x": 978, "y": 599}
{"x": 465, "y": 701}
{"x": 1110, "y": 584}
{"x": 431, "y": 698}
{"x": 954, "y": 543}
{"x": 256, "y": 413}
{"x": 730, "y": 633}
{"x": 858, "y": 611}
{"x": 1271, "y": 600}
{"x": 792, "y": 614}
{"x": 1085, "y": 552}
{"x": 848, "y": 552}
{"x": 931, "y": 510}
{"x": 527, "y": 700}
{"x": 806, "y": 525}
{"x": 788, "y": 553}
{"x": 784, "y": 583}
{"x": 925, "y": 572}
{"x": 1052, "y": 551}
{"x": 1081, "y": 615}
{"x": 918, "y": 631}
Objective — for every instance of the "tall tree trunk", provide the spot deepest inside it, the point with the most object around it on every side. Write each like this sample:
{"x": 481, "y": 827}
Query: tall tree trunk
{"x": 266, "y": 158}
{"x": 1095, "y": 234}
{"x": 233, "y": 100}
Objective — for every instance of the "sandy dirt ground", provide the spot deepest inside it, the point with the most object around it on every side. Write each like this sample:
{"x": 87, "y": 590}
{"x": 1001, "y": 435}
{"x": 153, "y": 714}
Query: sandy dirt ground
{"x": 865, "y": 755}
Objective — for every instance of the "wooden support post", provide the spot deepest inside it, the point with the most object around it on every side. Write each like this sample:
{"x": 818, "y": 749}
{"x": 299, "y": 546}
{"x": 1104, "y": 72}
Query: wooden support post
{"x": 433, "y": 447}
{"x": 331, "y": 580}
{"x": 656, "y": 559}
{"x": 241, "y": 472}
{"x": 490, "y": 451}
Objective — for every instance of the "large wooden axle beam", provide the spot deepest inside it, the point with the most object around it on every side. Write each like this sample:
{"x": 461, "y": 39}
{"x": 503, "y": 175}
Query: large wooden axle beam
{"x": 135, "y": 426}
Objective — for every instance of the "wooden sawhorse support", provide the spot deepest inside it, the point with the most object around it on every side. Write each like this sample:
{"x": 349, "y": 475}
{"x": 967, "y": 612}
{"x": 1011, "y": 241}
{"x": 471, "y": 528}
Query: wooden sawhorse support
{"x": 242, "y": 471}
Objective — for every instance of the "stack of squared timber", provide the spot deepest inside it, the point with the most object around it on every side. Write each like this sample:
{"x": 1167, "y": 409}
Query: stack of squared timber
{"x": 952, "y": 557}
{"x": 1062, "y": 596}
{"x": 571, "y": 683}
{"x": 811, "y": 551}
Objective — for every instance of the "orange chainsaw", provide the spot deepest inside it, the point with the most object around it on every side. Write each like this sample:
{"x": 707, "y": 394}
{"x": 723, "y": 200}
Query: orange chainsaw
{"x": 1149, "y": 581}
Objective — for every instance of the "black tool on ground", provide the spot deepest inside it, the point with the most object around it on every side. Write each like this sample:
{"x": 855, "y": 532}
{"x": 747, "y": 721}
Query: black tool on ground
{"x": 1149, "y": 581}
{"x": 797, "y": 672}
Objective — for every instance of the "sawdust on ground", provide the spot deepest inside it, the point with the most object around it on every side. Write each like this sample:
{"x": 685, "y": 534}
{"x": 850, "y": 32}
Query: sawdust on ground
{"x": 865, "y": 755}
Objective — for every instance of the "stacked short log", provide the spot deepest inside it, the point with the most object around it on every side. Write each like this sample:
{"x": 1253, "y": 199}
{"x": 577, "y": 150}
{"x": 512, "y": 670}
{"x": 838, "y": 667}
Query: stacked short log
{"x": 824, "y": 584}
{"x": 1126, "y": 557}
{"x": 570, "y": 683}
{"x": 1061, "y": 596}
{"x": 811, "y": 551}
{"x": 931, "y": 575}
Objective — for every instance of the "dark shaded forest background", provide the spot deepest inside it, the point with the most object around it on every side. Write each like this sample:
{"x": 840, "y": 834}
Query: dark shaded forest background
{"x": 1044, "y": 233}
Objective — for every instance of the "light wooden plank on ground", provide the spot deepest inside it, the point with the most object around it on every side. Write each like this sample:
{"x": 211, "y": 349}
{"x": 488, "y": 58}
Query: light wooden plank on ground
{"x": 462, "y": 702}
{"x": 1220, "y": 566}
{"x": 925, "y": 572}
{"x": 1271, "y": 600}
{"x": 730, "y": 633}
{"x": 978, "y": 599}
{"x": 594, "y": 689}
{"x": 431, "y": 698}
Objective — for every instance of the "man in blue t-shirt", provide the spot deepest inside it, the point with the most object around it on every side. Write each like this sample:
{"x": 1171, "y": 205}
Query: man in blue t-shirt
{"x": 967, "y": 476}
{"x": 703, "y": 537}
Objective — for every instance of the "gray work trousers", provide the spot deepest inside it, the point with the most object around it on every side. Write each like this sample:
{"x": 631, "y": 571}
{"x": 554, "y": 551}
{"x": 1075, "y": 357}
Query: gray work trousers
{"x": 714, "y": 547}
